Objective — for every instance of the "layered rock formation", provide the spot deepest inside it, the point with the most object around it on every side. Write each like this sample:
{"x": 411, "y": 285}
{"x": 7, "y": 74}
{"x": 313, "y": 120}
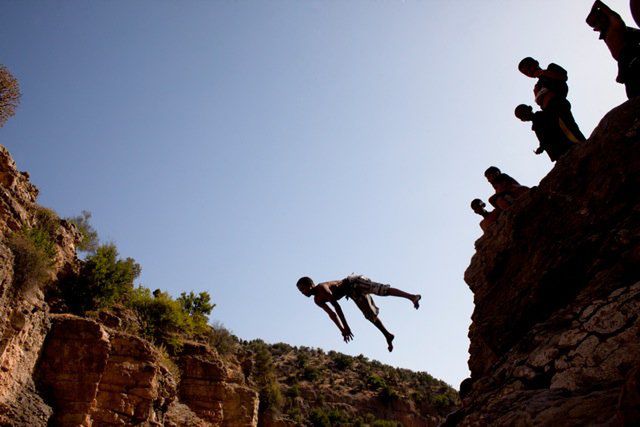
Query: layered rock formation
{"x": 215, "y": 390}
{"x": 94, "y": 376}
{"x": 23, "y": 312}
{"x": 65, "y": 370}
{"x": 556, "y": 283}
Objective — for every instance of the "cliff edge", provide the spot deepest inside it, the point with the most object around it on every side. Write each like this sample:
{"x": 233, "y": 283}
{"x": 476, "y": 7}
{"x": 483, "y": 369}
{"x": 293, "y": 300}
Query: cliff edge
{"x": 556, "y": 284}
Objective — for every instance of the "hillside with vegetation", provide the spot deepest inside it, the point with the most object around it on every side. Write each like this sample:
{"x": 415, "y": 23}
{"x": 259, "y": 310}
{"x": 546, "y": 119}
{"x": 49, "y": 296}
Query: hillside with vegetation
{"x": 330, "y": 388}
{"x": 82, "y": 344}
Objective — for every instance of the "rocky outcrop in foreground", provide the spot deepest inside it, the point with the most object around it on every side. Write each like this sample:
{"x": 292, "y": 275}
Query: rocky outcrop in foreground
{"x": 556, "y": 283}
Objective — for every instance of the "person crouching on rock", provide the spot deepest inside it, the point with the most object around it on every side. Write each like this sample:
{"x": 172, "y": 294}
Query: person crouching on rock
{"x": 554, "y": 138}
{"x": 507, "y": 188}
{"x": 359, "y": 289}
{"x": 623, "y": 43}
{"x": 488, "y": 218}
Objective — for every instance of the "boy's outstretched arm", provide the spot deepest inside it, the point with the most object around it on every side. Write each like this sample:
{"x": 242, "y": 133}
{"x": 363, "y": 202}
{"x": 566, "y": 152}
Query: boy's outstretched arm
{"x": 346, "y": 331}
{"x": 333, "y": 317}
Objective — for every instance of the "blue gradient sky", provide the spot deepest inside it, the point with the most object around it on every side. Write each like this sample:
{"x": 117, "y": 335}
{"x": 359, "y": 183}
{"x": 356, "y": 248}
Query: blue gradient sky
{"x": 236, "y": 146}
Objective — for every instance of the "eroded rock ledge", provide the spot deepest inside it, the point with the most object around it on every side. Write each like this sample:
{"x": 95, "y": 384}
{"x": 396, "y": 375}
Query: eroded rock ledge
{"x": 556, "y": 283}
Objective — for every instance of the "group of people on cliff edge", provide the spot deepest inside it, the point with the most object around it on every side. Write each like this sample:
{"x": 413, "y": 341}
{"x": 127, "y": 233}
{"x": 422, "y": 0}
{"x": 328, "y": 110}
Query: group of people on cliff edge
{"x": 557, "y": 133}
{"x": 553, "y": 124}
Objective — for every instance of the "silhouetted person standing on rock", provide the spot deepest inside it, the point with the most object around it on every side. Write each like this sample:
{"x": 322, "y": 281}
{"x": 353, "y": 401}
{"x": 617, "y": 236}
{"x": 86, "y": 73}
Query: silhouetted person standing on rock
{"x": 488, "y": 218}
{"x": 359, "y": 289}
{"x": 551, "y": 91}
{"x": 623, "y": 43}
{"x": 553, "y": 138}
{"x": 635, "y": 10}
{"x": 507, "y": 188}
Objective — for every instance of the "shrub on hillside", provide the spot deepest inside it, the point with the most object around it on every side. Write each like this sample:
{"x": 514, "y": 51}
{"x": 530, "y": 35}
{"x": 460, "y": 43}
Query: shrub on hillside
{"x": 375, "y": 382}
{"x": 341, "y": 361}
{"x": 158, "y": 313}
{"x": 310, "y": 373}
{"x": 34, "y": 249}
{"x": 265, "y": 378}
{"x": 371, "y": 421}
{"x": 388, "y": 395}
{"x": 103, "y": 280}
{"x": 320, "y": 417}
{"x": 33, "y": 256}
{"x": 442, "y": 401}
{"x": 89, "y": 241}
{"x": 198, "y": 307}
{"x": 221, "y": 339}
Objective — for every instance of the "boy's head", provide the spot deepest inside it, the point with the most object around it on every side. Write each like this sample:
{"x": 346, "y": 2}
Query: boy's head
{"x": 524, "y": 112}
{"x": 478, "y": 206}
{"x": 492, "y": 173}
{"x": 597, "y": 19}
{"x": 529, "y": 67}
{"x": 305, "y": 285}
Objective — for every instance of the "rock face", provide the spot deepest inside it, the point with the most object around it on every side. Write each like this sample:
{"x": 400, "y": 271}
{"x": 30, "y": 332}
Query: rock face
{"x": 556, "y": 283}
{"x": 23, "y": 315}
{"x": 215, "y": 390}
{"x": 64, "y": 370}
{"x": 96, "y": 377}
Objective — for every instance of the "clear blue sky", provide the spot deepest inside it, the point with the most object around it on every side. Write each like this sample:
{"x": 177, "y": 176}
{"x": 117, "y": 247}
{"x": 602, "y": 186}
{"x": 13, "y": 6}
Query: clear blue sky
{"x": 234, "y": 146}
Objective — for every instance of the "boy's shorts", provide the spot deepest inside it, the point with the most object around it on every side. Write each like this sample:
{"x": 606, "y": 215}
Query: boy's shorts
{"x": 360, "y": 291}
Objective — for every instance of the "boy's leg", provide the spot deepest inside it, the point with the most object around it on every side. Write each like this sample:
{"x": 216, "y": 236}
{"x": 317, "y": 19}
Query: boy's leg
{"x": 368, "y": 308}
{"x": 387, "y": 335}
{"x": 415, "y": 299}
{"x": 383, "y": 290}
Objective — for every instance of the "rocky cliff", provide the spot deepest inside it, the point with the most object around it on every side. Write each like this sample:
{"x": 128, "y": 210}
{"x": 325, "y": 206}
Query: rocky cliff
{"x": 66, "y": 370}
{"x": 556, "y": 284}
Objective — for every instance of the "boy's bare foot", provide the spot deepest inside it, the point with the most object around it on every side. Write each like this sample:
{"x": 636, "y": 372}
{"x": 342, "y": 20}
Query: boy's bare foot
{"x": 416, "y": 301}
{"x": 390, "y": 338}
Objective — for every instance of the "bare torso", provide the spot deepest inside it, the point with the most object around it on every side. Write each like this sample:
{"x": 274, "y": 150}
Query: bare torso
{"x": 328, "y": 292}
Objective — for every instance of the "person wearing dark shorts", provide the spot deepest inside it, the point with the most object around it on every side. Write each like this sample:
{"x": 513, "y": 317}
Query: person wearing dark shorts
{"x": 359, "y": 289}
{"x": 554, "y": 138}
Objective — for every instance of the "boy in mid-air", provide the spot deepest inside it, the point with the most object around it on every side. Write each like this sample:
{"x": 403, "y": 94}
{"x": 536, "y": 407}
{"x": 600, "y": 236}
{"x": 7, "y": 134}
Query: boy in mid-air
{"x": 359, "y": 289}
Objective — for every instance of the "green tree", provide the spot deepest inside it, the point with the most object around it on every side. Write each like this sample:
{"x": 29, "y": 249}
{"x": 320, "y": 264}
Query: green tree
{"x": 265, "y": 378}
{"x": 103, "y": 280}
{"x": 9, "y": 95}
{"x": 159, "y": 314}
{"x": 197, "y": 306}
{"x": 89, "y": 241}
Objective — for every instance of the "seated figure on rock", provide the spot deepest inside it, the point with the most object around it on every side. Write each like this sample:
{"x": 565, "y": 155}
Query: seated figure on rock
{"x": 507, "y": 188}
{"x": 488, "y": 218}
